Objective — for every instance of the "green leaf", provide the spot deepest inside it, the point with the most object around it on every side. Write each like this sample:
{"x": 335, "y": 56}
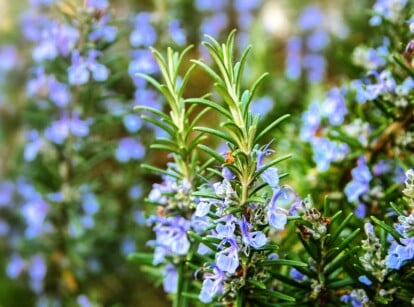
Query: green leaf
{"x": 388, "y": 229}
{"x": 217, "y": 133}
{"x": 277, "y": 262}
{"x": 158, "y": 170}
{"x": 210, "y": 104}
{"x": 165, "y": 147}
{"x": 274, "y": 294}
{"x": 270, "y": 127}
{"x": 141, "y": 258}
{"x": 341, "y": 227}
{"x": 336, "y": 262}
{"x": 212, "y": 153}
{"x": 160, "y": 124}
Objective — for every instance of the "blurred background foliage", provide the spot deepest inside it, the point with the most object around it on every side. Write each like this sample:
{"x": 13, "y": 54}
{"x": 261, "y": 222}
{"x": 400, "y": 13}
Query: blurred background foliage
{"x": 306, "y": 46}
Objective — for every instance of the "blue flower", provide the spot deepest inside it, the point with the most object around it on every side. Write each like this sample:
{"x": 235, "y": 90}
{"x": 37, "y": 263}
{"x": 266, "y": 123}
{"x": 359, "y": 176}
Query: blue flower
{"x": 81, "y": 69}
{"x": 132, "y": 122}
{"x": 271, "y": 177}
{"x": 144, "y": 34}
{"x": 212, "y": 285}
{"x": 293, "y": 58}
{"x": 255, "y": 239}
{"x": 310, "y": 18}
{"x": 129, "y": 149}
{"x": 97, "y": 4}
{"x": 227, "y": 260}
{"x": 102, "y": 31}
{"x": 37, "y": 272}
{"x": 170, "y": 279}
{"x": 276, "y": 216}
{"x": 334, "y": 107}
{"x": 365, "y": 280}
{"x": 361, "y": 177}
{"x": 177, "y": 33}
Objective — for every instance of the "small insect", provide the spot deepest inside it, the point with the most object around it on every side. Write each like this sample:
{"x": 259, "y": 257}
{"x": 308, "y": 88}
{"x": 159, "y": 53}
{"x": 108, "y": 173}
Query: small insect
{"x": 229, "y": 157}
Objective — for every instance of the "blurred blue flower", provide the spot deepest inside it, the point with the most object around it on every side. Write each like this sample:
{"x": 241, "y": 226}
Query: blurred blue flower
{"x": 398, "y": 254}
{"x": 83, "y": 301}
{"x": 317, "y": 40}
{"x": 6, "y": 193}
{"x": 37, "y": 272}
{"x": 59, "y": 130}
{"x": 15, "y": 266}
{"x": 365, "y": 280}
{"x": 81, "y": 68}
{"x": 144, "y": 34}
{"x": 334, "y": 106}
{"x": 8, "y": 58}
{"x": 129, "y": 149}
{"x": 102, "y": 31}
{"x": 262, "y": 105}
{"x": 177, "y": 33}
{"x": 97, "y": 4}
{"x": 142, "y": 62}
{"x": 211, "y": 5}
{"x": 310, "y": 18}
{"x": 293, "y": 58}
{"x": 132, "y": 122}
{"x": 326, "y": 151}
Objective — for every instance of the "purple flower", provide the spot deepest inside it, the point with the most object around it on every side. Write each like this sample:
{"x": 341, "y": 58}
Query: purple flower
{"x": 34, "y": 212}
{"x": 90, "y": 203}
{"x": 132, "y": 122}
{"x": 97, "y": 4}
{"x": 326, "y": 151}
{"x": 6, "y": 193}
{"x": 315, "y": 66}
{"x": 143, "y": 62}
{"x": 170, "y": 279}
{"x": 212, "y": 285}
{"x": 102, "y": 31}
{"x": 271, "y": 177}
{"x": 227, "y": 174}
{"x": 211, "y": 5}
{"x": 83, "y": 301}
{"x": 334, "y": 107}
{"x": 276, "y": 216}
{"x": 144, "y": 34}
{"x": 15, "y": 266}
{"x": 81, "y": 69}
{"x": 214, "y": 24}
{"x": 60, "y": 130}
{"x": 361, "y": 177}
{"x": 255, "y": 239}
{"x": 310, "y": 18}
{"x": 177, "y": 33}
{"x": 8, "y": 58}
{"x": 171, "y": 236}
{"x": 317, "y": 40}
{"x": 129, "y": 149}
{"x": 227, "y": 260}
{"x": 311, "y": 120}
{"x": 398, "y": 254}
{"x": 37, "y": 272}
{"x": 262, "y": 105}
{"x": 296, "y": 275}
{"x": 55, "y": 40}
{"x": 293, "y": 58}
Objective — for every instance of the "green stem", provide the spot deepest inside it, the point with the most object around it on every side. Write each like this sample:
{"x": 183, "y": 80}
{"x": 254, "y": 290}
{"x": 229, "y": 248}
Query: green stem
{"x": 179, "y": 301}
{"x": 240, "y": 300}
